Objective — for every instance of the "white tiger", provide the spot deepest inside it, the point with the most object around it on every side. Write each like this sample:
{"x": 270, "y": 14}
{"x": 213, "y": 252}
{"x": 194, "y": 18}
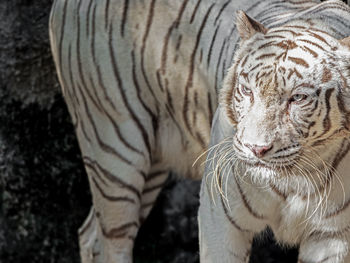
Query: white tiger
{"x": 280, "y": 137}
{"x": 141, "y": 79}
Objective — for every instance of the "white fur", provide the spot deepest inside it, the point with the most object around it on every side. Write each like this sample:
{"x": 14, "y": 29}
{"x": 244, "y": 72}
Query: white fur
{"x": 242, "y": 200}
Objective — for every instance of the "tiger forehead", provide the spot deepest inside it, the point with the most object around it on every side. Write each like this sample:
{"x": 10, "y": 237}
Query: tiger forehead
{"x": 296, "y": 45}
{"x": 275, "y": 62}
{"x": 268, "y": 79}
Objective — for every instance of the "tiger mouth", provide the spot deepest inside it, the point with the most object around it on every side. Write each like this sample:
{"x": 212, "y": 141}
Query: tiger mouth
{"x": 283, "y": 159}
{"x": 276, "y": 166}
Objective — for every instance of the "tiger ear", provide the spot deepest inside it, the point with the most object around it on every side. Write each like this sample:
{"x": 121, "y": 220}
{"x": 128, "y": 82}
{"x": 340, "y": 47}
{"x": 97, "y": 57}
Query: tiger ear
{"x": 345, "y": 42}
{"x": 247, "y": 26}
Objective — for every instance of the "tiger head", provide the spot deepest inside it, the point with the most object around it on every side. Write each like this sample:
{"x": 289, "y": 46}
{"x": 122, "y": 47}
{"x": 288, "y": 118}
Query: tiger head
{"x": 287, "y": 94}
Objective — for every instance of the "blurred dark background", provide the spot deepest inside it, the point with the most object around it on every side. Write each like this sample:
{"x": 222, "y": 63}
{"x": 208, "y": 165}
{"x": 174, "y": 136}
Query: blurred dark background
{"x": 44, "y": 194}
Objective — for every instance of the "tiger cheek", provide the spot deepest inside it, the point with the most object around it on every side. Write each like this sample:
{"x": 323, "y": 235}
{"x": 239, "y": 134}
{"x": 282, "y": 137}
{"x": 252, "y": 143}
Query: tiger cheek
{"x": 231, "y": 107}
{"x": 344, "y": 102}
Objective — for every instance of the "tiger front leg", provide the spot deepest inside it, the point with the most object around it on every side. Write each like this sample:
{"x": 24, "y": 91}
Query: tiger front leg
{"x": 221, "y": 238}
{"x": 325, "y": 249}
{"x": 117, "y": 172}
{"x": 110, "y": 230}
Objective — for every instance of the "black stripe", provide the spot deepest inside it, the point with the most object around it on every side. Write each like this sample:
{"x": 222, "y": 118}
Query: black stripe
{"x": 124, "y": 16}
{"x": 74, "y": 89}
{"x": 94, "y": 170}
{"x": 323, "y": 141}
{"x": 152, "y": 188}
{"x": 195, "y": 98}
{"x": 112, "y": 198}
{"x": 113, "y": 178}
{"x": 177, "y": 47}
{"x": 138, "y": 92}
{"x": 153, "y": 175}
{"x": 88, "y": 20}
{"x": 246, "y": 203}
{"x": 210, "y": 108}
{"x": 201, "y": 140}
{"x": 62, "y": 34}
{"x": 298, "y": 2}
{"x": 223, "y": 69}
{"x": 326, "y": 121}
{"x": 312, "y": 43}
{"x": 106, "y": 13}
{"x": 277, "y": 191}
{"x": 79, "y": 62}
{"x": 237, "y": 99}
{"x": 119, "y": 232}
{"x": 143, "y": 175}
{"x": 218, "y": 64}
{"x": 256, "y": 66}
{"x": 178, "y": 43}
{"x": 212, "y": 44}
{"x": 330, "y": 234}
{"x": 221, "y": 10}
{"x": 73, "y": 98}
{"x": 159, "y": 81}
{"x": 143, "y": 47}
{"x": 195, "y": 11}
{"x": 168, "y": 96}
{"x": 341, "y": 154}
{"x": 93, "y": 35}
{"x": 230, "y": 219}
{"x": 339, "y": 157}
{"x": 194, "y": 118}
{"x": 318, "y": 37}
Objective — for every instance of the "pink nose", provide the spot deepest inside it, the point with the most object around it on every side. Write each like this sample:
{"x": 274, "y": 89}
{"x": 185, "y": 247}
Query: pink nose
{"x": 259, "y": 151}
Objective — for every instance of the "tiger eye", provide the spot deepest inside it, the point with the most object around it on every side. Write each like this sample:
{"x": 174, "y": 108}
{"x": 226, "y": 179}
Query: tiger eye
{"x": 298, "y": 97}
{"x": 246, "y": 91}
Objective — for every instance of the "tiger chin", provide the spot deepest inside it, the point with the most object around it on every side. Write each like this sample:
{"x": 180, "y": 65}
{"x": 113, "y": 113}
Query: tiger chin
{"x": 279, "y": 153}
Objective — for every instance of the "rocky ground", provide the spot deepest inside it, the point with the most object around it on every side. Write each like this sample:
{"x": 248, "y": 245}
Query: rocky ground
{"x": 44, "y": 194}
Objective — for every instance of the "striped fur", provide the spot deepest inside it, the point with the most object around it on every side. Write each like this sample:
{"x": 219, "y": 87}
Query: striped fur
{"x": 280, "y": 140}
{"x": 141, "y": 79}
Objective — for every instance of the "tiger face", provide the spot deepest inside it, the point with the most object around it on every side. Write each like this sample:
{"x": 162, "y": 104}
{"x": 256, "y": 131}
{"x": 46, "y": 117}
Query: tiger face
{"x": 287, "y": 94}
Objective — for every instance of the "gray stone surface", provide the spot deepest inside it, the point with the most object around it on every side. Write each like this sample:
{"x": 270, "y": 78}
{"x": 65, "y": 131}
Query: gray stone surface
{"x": 44, "y": 195}
{"x": 43, "y": 191}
